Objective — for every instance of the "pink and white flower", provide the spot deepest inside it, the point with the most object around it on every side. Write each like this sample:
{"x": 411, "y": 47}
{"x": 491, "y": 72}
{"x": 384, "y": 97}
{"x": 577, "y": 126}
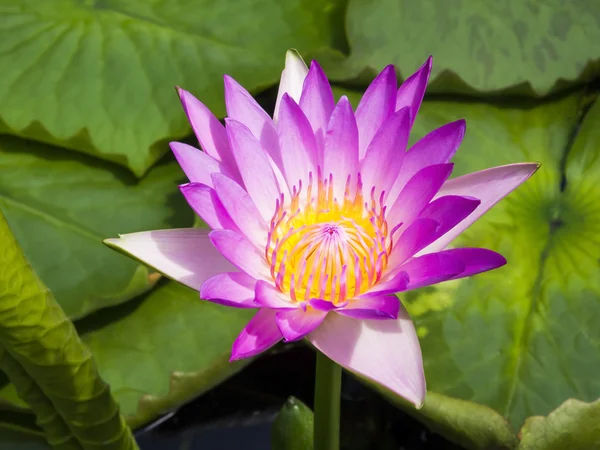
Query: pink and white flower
{"x": 321, "y": 214}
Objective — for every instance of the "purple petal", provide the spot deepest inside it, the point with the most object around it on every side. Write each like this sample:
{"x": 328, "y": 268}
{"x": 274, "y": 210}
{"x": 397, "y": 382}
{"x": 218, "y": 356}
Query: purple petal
{"x": 449, "y": 211}
{"x": 317, "y": 102}
{"x": 241, "y": 209}
{"x": 385, "y": 351}
{"x": 476, "y": 260}
{"x": 341, "y": 147}
{"x": 411, "y": 92}
{"x": 260, "y": 334}
{"x": 383, "y": 159}
{"x": 241, "y": 253}
{"x": 389, "y": 285}
{"x": 438, "y": 217}
{"x": 292, "y": 79}
{"x": 432, "y": 268}
{"x": 209, "y": 131}
{"x": 185, "y": 255}
{"x": 234, "y": 289}
{"x": 295, "y": 324}
{"x": 489, "y": 186}
{"x": 268, "y": 296}
{"x": 255, "y": 168}
{"x": 205, "y": 202}
{"x": 196, "y": 164}
{"x": 417, "y": 236}
{"x": 417, "y": 193}
{"x": 242, "y": 107}
{"x": 322, "y": 305}
{"x": 437, "y": 147}
{"x": 452, "y": 264}
{"x": 375, "y": 307}
{"x": 375, "y": 107}
{"x": 298, "y": 145}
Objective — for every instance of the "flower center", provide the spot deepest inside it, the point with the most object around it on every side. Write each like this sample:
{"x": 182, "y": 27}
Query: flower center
{"x": 320, "y": 247}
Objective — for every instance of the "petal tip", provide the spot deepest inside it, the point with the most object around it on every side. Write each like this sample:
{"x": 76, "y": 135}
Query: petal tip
{"x": 293, "y": 56}
{"x": 420, "y": 401}
{"x": 112, "y": 242}
{"x": 235, "y": 357}
{"x": 229, "y": 82}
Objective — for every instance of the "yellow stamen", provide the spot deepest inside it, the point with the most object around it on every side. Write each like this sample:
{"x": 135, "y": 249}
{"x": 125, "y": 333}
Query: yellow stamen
{"x": 319, "y": 247}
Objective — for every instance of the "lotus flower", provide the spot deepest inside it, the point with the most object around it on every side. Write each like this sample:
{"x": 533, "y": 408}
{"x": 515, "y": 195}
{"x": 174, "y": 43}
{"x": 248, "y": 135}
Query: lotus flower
{"x": 320, "y": 215}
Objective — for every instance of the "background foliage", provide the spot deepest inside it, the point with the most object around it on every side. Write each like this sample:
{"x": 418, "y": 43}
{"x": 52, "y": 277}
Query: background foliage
{"x": 86, "y": 111}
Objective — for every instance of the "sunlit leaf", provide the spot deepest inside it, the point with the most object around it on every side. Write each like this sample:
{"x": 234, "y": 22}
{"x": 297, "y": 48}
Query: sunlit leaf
{"x": 159, "y": 351}
{"x": 521, "y": 339}
{"x": 575, "y": 425}
{"x": 51, "y": 368}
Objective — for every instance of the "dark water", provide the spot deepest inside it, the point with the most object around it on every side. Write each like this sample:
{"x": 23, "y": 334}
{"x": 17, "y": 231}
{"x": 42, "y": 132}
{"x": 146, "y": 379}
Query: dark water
{"x": 238, "y": 414}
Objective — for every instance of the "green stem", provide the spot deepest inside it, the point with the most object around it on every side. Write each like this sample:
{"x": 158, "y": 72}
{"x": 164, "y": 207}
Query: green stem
{"x": 328, "y": 383}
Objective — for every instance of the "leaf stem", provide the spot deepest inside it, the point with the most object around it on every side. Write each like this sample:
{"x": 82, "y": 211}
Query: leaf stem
{"x": 328, "y": 383}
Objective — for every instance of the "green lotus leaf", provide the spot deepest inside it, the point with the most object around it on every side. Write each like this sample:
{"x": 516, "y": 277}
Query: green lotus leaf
{"x": 98, "y": 75}
{"x": 17, "y": 439}
{"x": 163, "y": 349}
{"x": 530, "y": 48}
{"x": 61, "y": 205}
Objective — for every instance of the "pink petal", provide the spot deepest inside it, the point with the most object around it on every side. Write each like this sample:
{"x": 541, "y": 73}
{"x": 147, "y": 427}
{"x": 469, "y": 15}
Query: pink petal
{"x": 207, "y": 128}
{"x": 385, "y": 351}
{"x": 241, "y": 253}
{"x": 205, "y": 202}
{"x": 489, "y": 186}
{"x": 292, "y": 79}
{"x": 375, "y": 307}
{"x": 241, "y": 209}
{"x": 196, "y": 164}
{"x": 341, "y": 147}
{"x": 260, "y": 334}
{"x": 375, "y": 107}
{"x": 234, "y": 289}
{"x": 411, "y": 92}
{"x": 242, "y": 107}
{"x": 268, "y": 296}
{"x": 297, "y": 141}
{"x": 317, "y": 102}
{"x": 185, "y": 255}
{"x": 255, "y": 168}
{"x": 437, "y": 147}
{"x": 383, "y": 159}
{"x": 297, "y": 323}
{"x": 417, "y": 193}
